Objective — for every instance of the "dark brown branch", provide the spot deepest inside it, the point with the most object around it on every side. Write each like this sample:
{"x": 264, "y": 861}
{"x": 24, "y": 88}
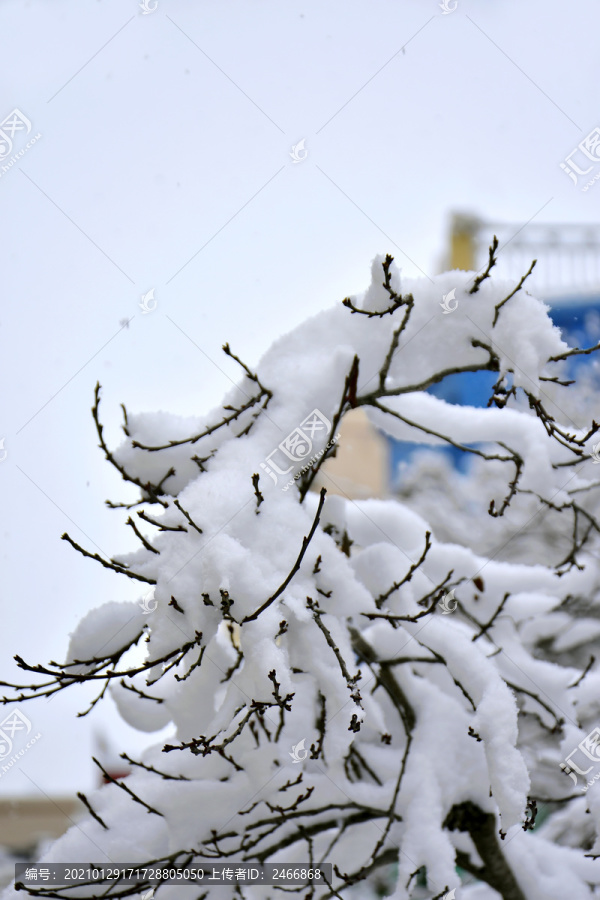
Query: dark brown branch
{"x": 131, "y": 687}
{"x": 151, "y": 490}
{"x": 320, "y": 724}
{"x": 578, "y": 543}
{"x": 398, "y": 584}
{"x": 484, "y": 628}
{"x": 567, "y": 439}
{"x": 362, "y": 762}
{"x": 92, "y": 812}
{"x": 556, "y": 380}
{"x": 202, "y": 746}
{"x": 384, "y": 371}
{"x": 126, "y": 789}
{"x": 575, "y": 352}
{"x": 559, "y": 722}
{"x": 396, "y": 694}
{"x": 512, "y": 485}
{"x": 125, "y": 425}
{"x": 514, "y": 458}
{"x": 437, "y": 593}
{"x": 499, "y": 306}
{"x": 240, "y": 655}
{"x": 251, "y": 375}
{"x": 187, "y": 515}
{"x": 257, "y": 493}
{"x": 351, "y": 385}
{"x": 588, "y": 487}
{"x": 348, "y": 399}
{"x": 481, "y": 827}
{"x": 397, "y": 299}
{"x": 159, "y": 525}
{"x": 492, "y": 260}
{"x": 139, "y": 534}
{"x": 351, "y": 680}
{"x": 173, "y": 602}
{"x": 584, "y": 673}
{"x": 63, "y": 679}
{"x": 192, "y": 667}
{"x": 107, "y": 565}
{"x": 458, "y": 684}
{"x": 385, "y": 678}
{"x": 401, "y": 660}
{"x": 163, "y": 775}
{"x": 226, "y": 420}
{"x": 492, "y": 365}
{"x": 357, "y": 818}
{"x": 305, "y": 542}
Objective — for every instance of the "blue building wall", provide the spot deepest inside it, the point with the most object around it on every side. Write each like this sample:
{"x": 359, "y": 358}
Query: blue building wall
{"x": 574, "y": 316}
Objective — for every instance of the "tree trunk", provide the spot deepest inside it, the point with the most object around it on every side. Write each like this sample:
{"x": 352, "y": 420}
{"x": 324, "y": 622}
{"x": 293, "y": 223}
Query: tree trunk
{"x": 482, "y": 829}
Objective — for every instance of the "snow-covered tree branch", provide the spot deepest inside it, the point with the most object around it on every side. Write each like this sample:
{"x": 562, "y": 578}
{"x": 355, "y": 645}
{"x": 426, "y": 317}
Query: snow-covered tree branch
{"x": 325, "y": 704}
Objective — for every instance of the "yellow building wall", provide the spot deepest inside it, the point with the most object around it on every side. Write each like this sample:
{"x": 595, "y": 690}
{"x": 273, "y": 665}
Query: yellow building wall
{"x": 361, "y": 466}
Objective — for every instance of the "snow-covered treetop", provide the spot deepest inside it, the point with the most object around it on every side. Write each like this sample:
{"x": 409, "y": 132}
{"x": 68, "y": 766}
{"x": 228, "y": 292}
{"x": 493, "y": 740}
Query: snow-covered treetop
{"x": 325, "y": 706}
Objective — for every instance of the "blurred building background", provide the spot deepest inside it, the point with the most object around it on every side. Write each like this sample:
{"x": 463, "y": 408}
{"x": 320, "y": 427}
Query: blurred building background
{"x": 566, "y": 277}
{"x": 30, "y": 824}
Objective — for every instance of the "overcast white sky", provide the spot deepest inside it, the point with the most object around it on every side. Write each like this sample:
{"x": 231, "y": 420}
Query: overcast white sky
{"x": 164, "y": 163}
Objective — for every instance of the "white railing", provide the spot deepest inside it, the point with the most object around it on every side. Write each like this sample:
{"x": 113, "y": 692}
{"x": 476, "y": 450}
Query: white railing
{"x": 568, "y": 256}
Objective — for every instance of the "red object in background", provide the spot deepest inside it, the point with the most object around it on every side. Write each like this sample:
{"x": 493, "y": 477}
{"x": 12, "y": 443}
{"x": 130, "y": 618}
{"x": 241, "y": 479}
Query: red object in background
{"x": 114, "y": 774}
{"x": 107, "y": 755}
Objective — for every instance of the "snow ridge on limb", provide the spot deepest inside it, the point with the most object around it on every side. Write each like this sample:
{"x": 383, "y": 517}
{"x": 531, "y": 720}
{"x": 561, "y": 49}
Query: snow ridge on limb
{"x": 342, "y": 685}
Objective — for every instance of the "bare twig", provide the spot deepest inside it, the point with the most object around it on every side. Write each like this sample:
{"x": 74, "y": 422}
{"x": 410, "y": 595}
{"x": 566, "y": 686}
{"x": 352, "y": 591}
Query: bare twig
{"x": 491, "y": 263}
{"x": 235, "y": 413}
{"x": 379, "y": 601}
{"x": 126, "y": 789}
{"x": 485, "y": 628}
{"x": 499, "y": 306}
{"x": 305, "y": 542}
{"x": 152, "y": 491}
{"x": 92, "y": 811}
{"x": 591, "y": 662}
{"x": 139, "y": 534}
{"x": 108, "y": 565}
{"x": 397, "y": 299}
{"x": 187, "y": 515}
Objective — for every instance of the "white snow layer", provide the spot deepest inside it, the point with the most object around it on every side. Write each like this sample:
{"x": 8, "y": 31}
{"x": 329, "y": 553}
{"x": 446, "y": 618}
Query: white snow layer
{"x": 239, "y": 557}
